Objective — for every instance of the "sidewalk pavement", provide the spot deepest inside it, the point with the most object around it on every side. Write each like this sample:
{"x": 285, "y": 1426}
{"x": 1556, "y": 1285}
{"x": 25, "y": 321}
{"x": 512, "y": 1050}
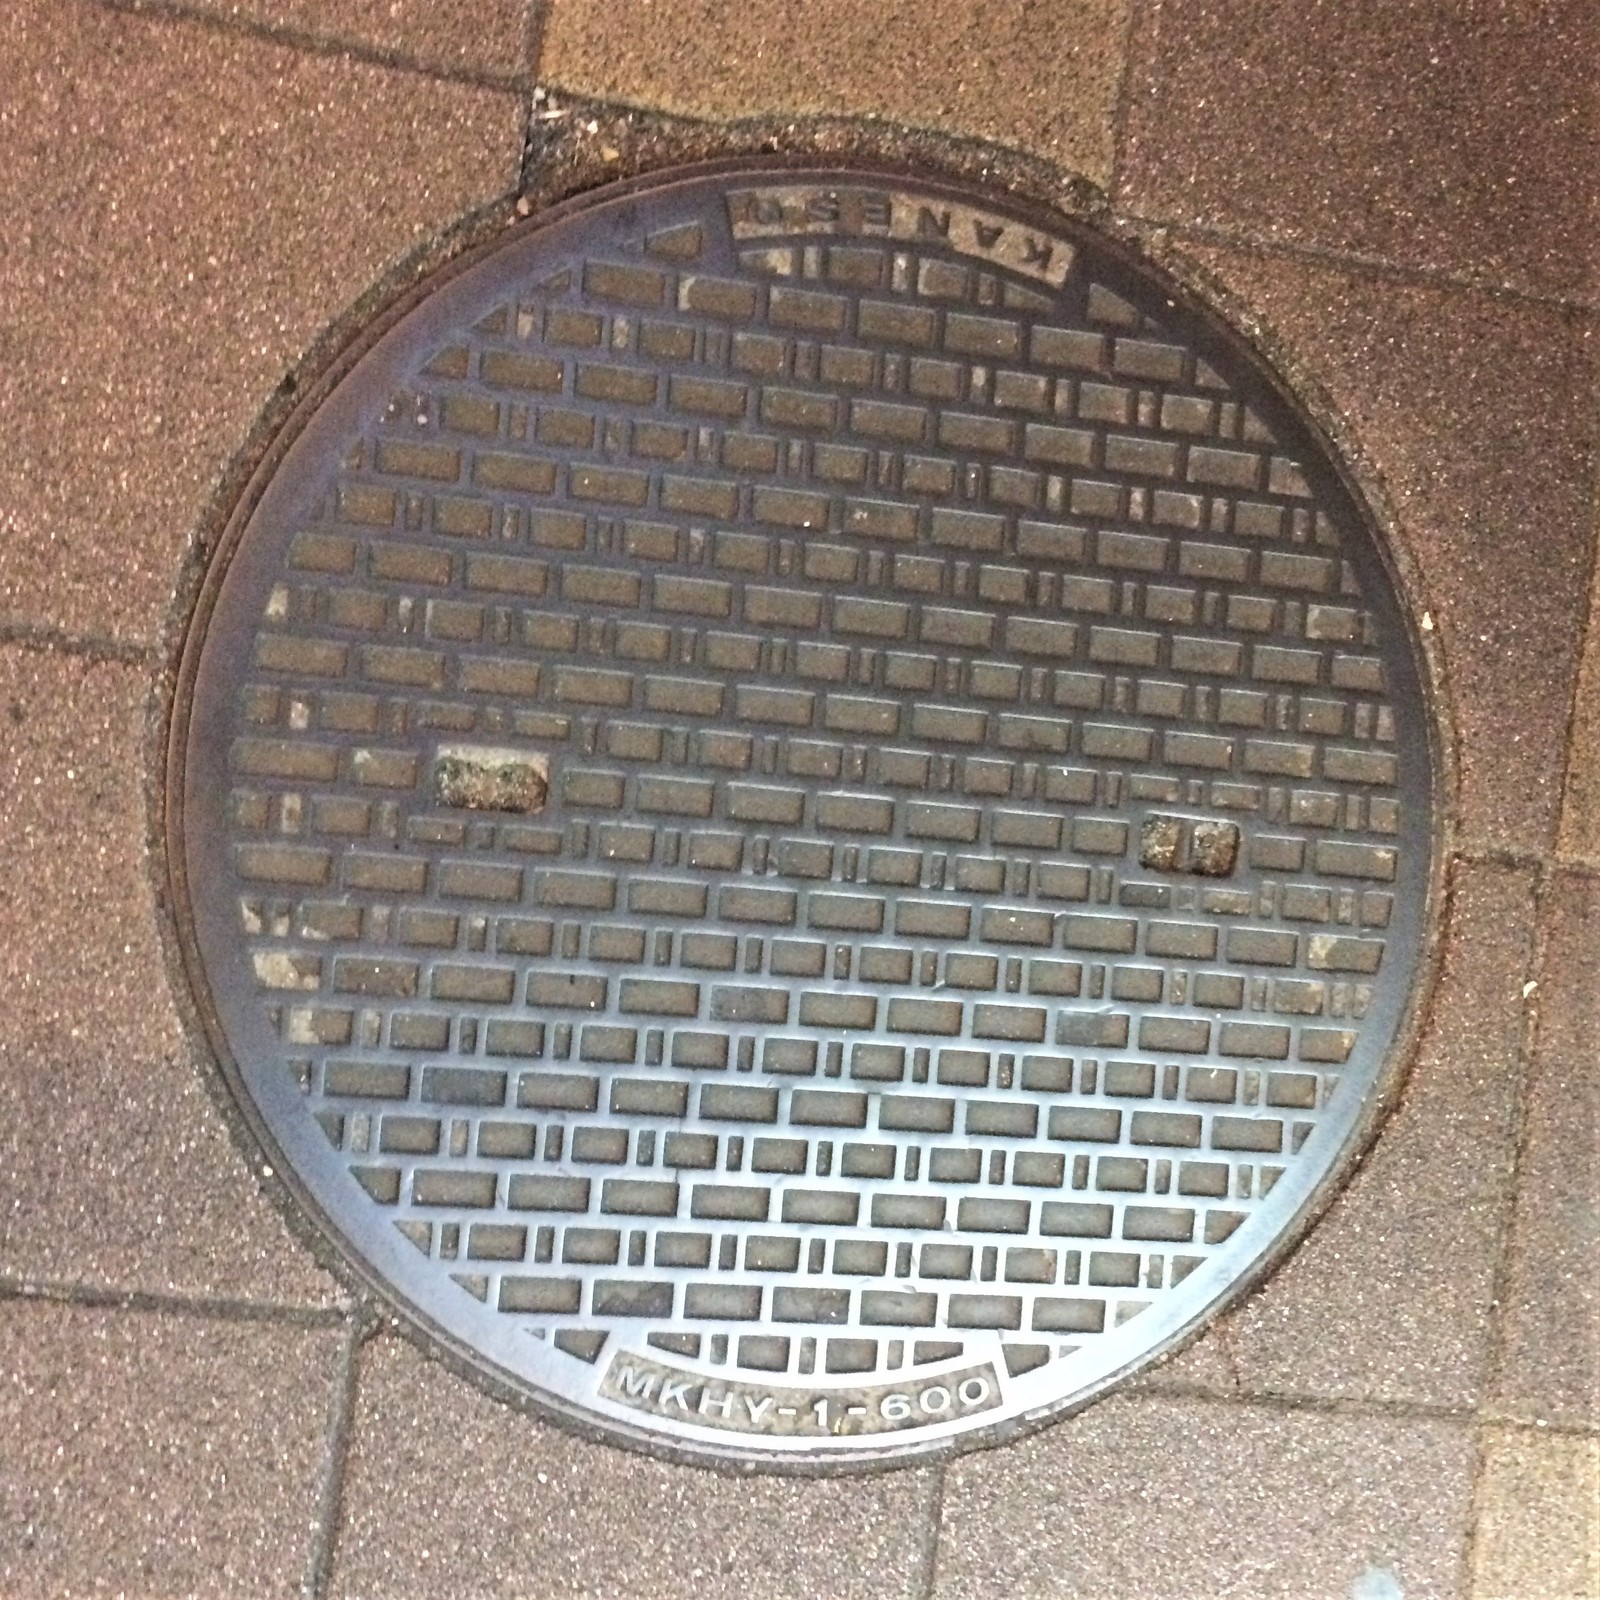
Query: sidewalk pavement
{"x": 202, "y": 198}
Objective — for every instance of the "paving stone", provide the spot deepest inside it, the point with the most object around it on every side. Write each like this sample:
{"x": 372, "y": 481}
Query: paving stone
{"x": 1537, "y": 1534}
{"x": 184, "y": 210}
{"x": 448, "y": 1492}
{"x": 1394, "y": 130}
{"x": 115, "y": 1166}
{"x": 1043, "y": 78}
{"x": 157, "y": 1455}
{"x": 487, "y": 36}
{"x": 1479, "y": 415}
{"x": 1549, "y": 1364}
{"x": 1389, "y": 1297}
{"x": 1167, "y": 1499}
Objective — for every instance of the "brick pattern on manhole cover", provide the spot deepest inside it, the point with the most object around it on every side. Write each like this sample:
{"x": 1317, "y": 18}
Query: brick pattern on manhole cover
{"x": 805, "y": 810}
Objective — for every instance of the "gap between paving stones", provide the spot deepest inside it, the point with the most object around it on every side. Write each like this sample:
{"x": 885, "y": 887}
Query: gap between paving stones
{"x": 336, "y": 1449}
{"x": 1497, "y": 1343}
{"x": 26, "y": 635}
{"x": 1527, "y": 1048}
{"x": 933, "y": 1518}
{"x": 311, "y": 43}
{"x": 1591, "y": 622}
{"x": 1122, "y": 104}
{"x": 1352, "y": 260}
{"x": 90, "y": 1296}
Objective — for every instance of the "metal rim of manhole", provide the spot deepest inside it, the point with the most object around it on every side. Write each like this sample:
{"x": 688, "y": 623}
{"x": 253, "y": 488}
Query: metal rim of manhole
{"x": 801, "y": 814}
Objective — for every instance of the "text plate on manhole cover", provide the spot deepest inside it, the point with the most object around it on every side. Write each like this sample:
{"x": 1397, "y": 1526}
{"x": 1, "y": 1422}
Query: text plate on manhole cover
{"x": 804, "y": 808}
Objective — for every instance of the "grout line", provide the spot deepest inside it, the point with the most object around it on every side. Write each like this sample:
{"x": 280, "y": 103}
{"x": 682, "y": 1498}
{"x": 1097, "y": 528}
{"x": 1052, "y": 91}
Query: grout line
{"x": 1379, "y": 266}
{"x": 1467, "y": 1559}
{"x": 220, "y": 1308}
{"x": 1124, "y": 96}
{"x": 1230, "y": 1358}
{"x": 307, "y": 42}
{"x": 1586, "y": 633}
{"x": 533, "y": 42}
{"x": 534, "y": 92}
{"x": 1538, "y": 1428}
{"x": 1486, "y": 853}
{"x": 526, "y": 156}
{"x": 1494, "y": 1344}
{"x": 1315, "y": 1405}
{"x": 47, "y": 636}
{"x": 928, "y": 1555}
{"x": 330, "y": 1490}
{"x": 1576, "y": 866}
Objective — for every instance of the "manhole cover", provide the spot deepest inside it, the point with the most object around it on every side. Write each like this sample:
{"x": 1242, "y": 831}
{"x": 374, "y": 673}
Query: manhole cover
{"x": 805, "y": 814}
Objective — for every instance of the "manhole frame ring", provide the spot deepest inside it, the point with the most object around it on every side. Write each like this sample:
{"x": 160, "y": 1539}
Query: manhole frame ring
{"x": 1220, "y": 319}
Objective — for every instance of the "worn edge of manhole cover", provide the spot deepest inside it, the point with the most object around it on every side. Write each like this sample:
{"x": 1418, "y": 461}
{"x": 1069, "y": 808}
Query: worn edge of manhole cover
{"x": 1211, "y": 329}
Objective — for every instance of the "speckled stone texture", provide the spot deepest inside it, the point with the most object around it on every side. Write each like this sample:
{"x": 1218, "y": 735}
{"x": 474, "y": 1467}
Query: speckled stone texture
{"x": 158, "y": 1455}
{"x": 1538, "y": 1517}
{"x": 1461, "y": 137}
{"x": 1549, "y": 1366}
{"x": 1042, "y": 77}
{"x": 1172, "y": 1499}
{"x": 116, "y": 1170}
{"x": 184, "y": 210}
{"x": 438, "y": 1475}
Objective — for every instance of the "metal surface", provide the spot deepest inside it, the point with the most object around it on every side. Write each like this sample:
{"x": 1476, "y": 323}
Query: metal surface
{"x": 803, "y": 808}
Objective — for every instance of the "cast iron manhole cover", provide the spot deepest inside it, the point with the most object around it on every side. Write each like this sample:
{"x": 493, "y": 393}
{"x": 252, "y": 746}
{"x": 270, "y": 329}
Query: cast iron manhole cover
{"x": 803, "y": 808}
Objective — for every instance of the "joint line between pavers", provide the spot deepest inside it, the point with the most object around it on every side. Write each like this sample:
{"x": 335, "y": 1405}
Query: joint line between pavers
{"x": 1395, "y": 1410}
{"x": 1123, "y": 98}
{"x": 536, "y": 23}
{"x": 1478, "y": 852}
{"x": 43, "y": 636}
{"x": 1527, "y": 1044}
{"x": 330, "y": 1488}
{"x": 1348, "y": 260}
{"x": 307, "y": 42}
{"x": 932, "y": 1519}
{"x": 220, "y": 1308}
{"x": 1590, "y": 622}
{"x": 1494, "y": 1346}
{"x": 1507, "y": 1422}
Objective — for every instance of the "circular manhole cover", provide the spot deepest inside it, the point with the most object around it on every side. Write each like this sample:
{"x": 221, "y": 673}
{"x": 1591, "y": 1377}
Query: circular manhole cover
{"x": 803, "y": 813}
